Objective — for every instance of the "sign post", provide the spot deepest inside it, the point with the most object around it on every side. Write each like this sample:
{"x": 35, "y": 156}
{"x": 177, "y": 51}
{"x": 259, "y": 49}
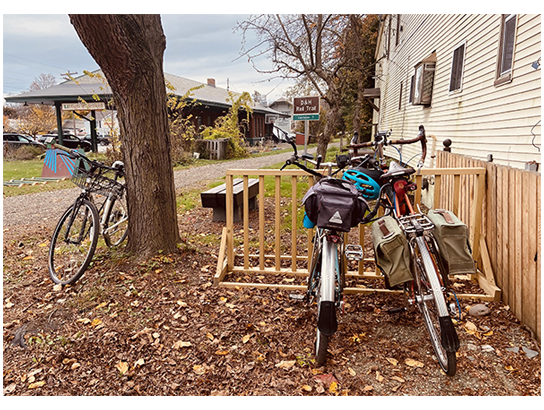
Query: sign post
{"x": 306, "y": 109}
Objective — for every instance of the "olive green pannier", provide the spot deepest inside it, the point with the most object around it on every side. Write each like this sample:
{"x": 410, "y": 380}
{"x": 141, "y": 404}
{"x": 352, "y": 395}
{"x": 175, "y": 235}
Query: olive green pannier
{"x": 452, "y": 238}
{"x": 391, "y": 251}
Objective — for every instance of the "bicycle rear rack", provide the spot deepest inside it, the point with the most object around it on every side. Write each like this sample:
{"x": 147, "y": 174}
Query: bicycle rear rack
{"x": 409, "y": 223}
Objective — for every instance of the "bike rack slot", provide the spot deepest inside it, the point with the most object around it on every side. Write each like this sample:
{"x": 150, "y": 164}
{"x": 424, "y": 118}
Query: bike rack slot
{"x": 268, "y": 249}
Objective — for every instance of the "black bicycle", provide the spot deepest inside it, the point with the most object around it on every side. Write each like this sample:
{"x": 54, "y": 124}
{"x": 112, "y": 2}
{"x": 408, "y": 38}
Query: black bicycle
{"x": 75, "y": 238}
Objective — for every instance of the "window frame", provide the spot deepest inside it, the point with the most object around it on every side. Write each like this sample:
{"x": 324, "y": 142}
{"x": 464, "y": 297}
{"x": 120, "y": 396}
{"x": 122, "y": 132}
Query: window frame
{"x": 505, "y": 76}
{"x": 462, "y": 68}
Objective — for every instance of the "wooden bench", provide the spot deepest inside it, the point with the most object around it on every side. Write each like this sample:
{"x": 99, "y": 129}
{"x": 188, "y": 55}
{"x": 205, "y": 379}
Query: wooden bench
{"x": 216, "y": 198}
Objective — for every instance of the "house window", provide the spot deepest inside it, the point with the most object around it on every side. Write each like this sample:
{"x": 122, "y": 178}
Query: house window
{"x": 507, "y": 42}
{"x": 400, "y": 97}
{"x": 422, "y": 84}
{"x": 457, "y": 68}
{"x": 397, "y": 37}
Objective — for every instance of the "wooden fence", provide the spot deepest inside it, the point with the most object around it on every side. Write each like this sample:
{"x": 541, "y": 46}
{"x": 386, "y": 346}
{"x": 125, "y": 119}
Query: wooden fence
{"x": 265, "y": 248}
{"x": 511, "y": 226}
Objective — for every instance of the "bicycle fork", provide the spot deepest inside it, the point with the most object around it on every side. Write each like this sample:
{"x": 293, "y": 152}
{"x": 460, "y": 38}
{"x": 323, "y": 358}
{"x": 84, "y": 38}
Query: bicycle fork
{"x": 326, "y": 321}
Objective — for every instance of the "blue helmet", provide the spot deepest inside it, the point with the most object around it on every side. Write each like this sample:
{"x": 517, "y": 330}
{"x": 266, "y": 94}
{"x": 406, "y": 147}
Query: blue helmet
{"x": 368, "y": 186}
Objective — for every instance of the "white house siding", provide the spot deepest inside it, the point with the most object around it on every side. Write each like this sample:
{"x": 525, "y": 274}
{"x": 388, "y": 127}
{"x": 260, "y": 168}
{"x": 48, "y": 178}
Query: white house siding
{"x": 480, "y": 119}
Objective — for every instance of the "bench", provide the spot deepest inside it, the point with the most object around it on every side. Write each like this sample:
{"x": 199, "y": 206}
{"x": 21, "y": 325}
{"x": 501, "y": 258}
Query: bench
{"x": 215, "y": 198}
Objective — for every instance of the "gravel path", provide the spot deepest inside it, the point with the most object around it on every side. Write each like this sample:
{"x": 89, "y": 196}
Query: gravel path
{"x": 47, "y": 207}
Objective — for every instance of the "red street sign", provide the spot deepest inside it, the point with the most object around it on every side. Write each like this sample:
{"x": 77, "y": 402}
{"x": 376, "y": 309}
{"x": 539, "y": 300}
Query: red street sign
{"x": 305, "y": 105}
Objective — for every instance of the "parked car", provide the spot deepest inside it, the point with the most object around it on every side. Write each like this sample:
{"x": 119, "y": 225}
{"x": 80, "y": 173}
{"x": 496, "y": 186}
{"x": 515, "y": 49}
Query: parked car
{"x": 100, "y": 139}
{"x": 68, "y": 140}
{"x": 14, "y": 140}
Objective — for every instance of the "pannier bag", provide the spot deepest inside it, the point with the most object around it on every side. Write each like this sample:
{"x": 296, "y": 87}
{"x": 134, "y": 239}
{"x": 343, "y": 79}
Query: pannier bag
{"x": 391, "y": 251}
{"x": 452, "y": 238}
{"x": 334, "y": 204}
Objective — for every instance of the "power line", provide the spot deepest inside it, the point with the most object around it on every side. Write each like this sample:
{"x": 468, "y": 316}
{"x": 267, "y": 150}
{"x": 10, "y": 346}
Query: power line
{"x": 32, "y": 61}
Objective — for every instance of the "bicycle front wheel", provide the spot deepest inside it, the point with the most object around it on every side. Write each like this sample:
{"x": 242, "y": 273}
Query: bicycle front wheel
{"x": 432, "y": 305}
{"x": 73, "y": 243}
{"x": 116, "y": 222}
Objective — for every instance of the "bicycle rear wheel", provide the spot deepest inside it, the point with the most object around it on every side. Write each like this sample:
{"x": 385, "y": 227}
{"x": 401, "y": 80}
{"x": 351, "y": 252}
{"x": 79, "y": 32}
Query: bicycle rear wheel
{"x": 116, "y": 223}
{"x": 326, "y": 295}
{"x": 432, "y": 305}
{"x": 73, "y": 243}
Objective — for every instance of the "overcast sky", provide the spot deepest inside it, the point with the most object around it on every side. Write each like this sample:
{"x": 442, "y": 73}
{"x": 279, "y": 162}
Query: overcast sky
{"x": 198, "y": 47}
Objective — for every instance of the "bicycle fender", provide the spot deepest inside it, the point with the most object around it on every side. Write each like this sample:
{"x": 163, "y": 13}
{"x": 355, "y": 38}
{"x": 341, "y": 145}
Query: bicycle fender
{"x": 450, "y": 341}
{"x": 326, "y": 322}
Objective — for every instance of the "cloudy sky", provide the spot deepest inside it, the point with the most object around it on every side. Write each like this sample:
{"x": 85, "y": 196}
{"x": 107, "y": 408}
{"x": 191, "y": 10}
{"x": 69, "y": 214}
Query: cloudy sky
{"x": 198, "y": 46}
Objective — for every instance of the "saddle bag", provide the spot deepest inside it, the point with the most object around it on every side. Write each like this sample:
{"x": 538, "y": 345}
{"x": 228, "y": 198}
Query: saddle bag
{"x": 452, "y": 238}
{"x": 391, "y": 251}
{"x": 334, "y": 204}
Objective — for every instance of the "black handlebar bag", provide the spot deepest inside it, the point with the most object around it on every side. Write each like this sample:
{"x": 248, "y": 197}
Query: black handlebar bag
{"x": 334, "y": 204}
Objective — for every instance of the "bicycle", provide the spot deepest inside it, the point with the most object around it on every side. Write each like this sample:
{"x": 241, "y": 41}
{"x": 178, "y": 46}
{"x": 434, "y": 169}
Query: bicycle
{"x": 429, "y": 286}
{"x": 326, "y": 279}
{"x": 76, "y": 235}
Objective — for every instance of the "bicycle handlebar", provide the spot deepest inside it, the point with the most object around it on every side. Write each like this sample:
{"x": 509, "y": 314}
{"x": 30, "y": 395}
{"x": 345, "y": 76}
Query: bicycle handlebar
{"x": 381, "y": 140}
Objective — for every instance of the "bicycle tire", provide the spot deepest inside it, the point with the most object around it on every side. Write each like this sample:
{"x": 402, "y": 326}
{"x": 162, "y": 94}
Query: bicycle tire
{"x": 118, "y": 214}
{"x": 433, "y": 309}
{"x": 70, "y": 257}
{"x": 326, "y": 320}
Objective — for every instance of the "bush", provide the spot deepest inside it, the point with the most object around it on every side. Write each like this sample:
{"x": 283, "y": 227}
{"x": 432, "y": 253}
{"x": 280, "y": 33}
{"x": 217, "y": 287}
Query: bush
{"x": 22, "y": 153}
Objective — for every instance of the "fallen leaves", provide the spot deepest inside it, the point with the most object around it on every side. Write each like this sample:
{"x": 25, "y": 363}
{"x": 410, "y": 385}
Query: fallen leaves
{"x": 180, "y": 344}
{"x": 413, "y": 363}
{"x": 122, "y": 367}
{"x": 286, "y": 364}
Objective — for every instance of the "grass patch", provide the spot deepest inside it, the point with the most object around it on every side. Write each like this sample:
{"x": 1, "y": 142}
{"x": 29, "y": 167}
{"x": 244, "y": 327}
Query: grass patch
{"x": 28, "y": 169}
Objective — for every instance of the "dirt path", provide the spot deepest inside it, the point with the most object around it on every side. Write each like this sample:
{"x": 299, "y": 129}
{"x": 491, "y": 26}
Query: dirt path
{"x": 45, "y": 207}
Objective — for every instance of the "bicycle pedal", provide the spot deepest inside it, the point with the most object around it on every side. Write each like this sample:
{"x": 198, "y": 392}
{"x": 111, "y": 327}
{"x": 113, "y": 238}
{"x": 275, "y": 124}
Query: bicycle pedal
{"x": 354, "y": 252}
{"x": 298, "y": 298}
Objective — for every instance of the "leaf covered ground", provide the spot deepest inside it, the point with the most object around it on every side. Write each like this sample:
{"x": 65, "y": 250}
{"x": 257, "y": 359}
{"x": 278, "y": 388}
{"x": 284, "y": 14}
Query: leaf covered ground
{"x": 160, "y": 328}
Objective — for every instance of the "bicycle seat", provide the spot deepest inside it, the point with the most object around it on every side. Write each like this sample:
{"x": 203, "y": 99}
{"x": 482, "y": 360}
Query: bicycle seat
{"x": 397, "y": 170}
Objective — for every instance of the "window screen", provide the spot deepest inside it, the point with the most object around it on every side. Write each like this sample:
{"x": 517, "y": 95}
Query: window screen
{"x": 508, "y": 37}
{"x": 457, "y": 68}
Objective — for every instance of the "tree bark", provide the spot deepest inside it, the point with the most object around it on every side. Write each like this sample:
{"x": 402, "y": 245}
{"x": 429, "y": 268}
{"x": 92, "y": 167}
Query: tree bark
{"x": 129, "y": 49}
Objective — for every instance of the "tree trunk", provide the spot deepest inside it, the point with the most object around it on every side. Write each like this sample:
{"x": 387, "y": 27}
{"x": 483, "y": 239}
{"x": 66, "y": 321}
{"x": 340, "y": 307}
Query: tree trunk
{"x": 129, "y": 49}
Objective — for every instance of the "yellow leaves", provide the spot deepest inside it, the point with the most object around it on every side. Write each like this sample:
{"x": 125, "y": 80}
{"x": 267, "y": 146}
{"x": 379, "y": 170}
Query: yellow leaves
{"x": 357, "y": 338}
{"x": 306, "y": 388}
{"x": 101, "y": 305}
{"x": 179, "y": 344}
{"x": 27, "y": 258}
{"x": 96, "y": 322}
{"x": 122, "y": 367}
{"x": 246, "y": 338}
{"x": 394, "y": 362}
{"x": 286, "y": 364}
{"x": 509, "y": 368}
{"x": 209, "y": 336}
{"x": 43, "y": 244}
{"x": 36, "y": 385}
{"x": 222, "y": 352}
{"x": 413, "y": 363}
{"x": 333, "y": 388}
{"x": 199, "y": 369}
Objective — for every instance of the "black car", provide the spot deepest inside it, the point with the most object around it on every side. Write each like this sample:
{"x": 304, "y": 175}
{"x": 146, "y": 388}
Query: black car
{"x": 100, "y": 139}
{"x": 69, "y": 141}
{"x": 14, "y": 140}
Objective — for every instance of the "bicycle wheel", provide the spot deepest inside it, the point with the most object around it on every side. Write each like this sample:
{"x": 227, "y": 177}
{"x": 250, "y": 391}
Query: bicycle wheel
{"x": 73, "y": 243}
{"x": 326, "y": 310}
{"x": 432, "y": 305}
{"x": 116, "y": 222}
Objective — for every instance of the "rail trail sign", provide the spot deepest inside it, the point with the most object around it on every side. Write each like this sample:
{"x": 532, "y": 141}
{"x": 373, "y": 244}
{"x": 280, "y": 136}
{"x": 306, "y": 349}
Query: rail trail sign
{"x": 305, "y": 108}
